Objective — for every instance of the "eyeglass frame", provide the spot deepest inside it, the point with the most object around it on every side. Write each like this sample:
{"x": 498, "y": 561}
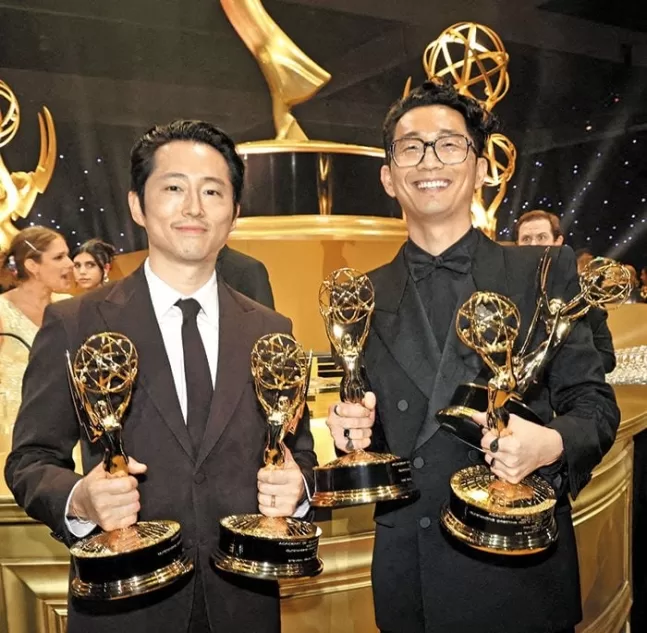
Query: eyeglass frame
{"x": 432, "y": 144}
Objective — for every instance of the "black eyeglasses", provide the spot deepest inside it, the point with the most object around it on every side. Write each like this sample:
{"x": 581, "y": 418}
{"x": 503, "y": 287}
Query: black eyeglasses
{"x": 449, "y": 150}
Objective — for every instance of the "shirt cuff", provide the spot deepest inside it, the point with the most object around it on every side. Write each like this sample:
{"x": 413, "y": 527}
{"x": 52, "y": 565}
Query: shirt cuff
{"x": 77, "y": 527}
{"x": 304, "y": 507}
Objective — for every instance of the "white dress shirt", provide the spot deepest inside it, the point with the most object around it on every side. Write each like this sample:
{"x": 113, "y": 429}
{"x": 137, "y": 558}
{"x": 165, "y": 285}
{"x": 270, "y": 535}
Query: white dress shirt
{"x": 169, "y": 318}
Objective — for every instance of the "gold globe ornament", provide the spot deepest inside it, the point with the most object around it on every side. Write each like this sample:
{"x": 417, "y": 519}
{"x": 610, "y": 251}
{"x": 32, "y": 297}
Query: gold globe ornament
{"x": 474, "y": 57}
{"x": 18, "y": 190}
{"x": 501, "y": 156}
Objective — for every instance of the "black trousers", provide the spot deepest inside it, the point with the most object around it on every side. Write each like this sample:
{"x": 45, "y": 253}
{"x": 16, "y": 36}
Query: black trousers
{"x": 199, "y": 622}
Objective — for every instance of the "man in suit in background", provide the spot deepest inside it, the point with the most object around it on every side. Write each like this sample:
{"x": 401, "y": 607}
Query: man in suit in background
{"x": 246, "y": 275}
{"x": 195, "y": 449}
{"x": 422, "y": 581}
{"x": 541, "y": 228}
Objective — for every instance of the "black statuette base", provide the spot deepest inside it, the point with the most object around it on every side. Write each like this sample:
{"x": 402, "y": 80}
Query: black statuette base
{"x": 267, "y": 558}
{"x": 363, "y": 483}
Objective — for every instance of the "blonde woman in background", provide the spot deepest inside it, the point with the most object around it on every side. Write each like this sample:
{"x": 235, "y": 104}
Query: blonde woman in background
{"x": 41, "y": 270}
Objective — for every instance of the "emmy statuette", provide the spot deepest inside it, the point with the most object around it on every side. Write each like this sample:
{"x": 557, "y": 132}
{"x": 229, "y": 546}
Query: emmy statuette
{"x": 346, "y": 303}
{"x": 148, "y": 555}
{"x": 254, "y": 545}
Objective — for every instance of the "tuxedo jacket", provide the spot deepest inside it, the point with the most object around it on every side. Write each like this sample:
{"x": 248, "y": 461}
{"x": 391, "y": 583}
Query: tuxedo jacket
{"x": 196, "y": 491}
{"x": 246, "y": 275}
{"x": 423, "y": 582}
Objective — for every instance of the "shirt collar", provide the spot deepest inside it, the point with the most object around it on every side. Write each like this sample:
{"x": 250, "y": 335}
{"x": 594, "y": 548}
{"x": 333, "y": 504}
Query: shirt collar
{"x": 164, "y": 297}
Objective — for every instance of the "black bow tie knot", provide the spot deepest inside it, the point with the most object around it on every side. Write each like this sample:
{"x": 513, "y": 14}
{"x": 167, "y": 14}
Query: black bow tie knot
{"x": 422, "y": 264}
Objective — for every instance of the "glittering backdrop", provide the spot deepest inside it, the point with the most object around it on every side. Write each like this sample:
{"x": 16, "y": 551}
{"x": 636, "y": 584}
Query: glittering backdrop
{"x": 576, "y": 110}
{"x": 598, "y": 189}
{"x": 87, "y": 195}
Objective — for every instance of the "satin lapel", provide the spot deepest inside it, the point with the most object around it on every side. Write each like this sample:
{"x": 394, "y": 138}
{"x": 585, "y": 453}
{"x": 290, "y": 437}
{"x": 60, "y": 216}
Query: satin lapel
{"x": 128, "y": 309}
{"x": 239, "y": 328}
{"x": 401, "y": 323}
{"x": 459, "y": 363}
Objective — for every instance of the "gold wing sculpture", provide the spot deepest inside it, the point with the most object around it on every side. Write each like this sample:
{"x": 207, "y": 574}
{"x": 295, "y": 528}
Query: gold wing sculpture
{"x": 290, "y": 74}
{"x": 18, "y": 190}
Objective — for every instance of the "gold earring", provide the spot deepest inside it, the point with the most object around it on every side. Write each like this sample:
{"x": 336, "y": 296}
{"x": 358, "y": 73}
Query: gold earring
{"x": 106, "y": 279}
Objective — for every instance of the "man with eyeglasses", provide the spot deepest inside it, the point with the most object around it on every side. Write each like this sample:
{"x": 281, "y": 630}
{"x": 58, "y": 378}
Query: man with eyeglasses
{"x": 423, "y": 581}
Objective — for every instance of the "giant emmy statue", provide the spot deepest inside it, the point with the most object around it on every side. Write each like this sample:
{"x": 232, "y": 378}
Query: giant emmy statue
{"x": 18, "y": 190}
{"x": 253, "y": 544}
{"x": 148, "y": 555}
{"x": 346, "y": 301}
{"x": 485, "y": 512}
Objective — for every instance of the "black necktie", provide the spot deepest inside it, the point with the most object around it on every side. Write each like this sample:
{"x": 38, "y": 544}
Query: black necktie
{"x": 199, "y": 387}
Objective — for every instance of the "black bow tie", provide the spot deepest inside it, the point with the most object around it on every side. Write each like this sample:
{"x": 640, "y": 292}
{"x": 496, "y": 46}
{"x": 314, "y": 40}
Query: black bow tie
{"x": 422, "y": 264}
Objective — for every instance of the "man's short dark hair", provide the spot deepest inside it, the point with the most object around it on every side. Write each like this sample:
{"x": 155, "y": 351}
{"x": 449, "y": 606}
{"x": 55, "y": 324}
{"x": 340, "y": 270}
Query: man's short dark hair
{"x": 479, "y": 122}
{"x": 142, "y": 155}
{"x": 540, "y": 214}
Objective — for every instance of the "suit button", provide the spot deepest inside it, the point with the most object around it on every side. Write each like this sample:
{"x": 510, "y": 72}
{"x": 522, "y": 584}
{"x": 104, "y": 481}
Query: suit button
{"x": 199, "y": 478}
{"x": 418, "y": 462}
{"x": 425, "y": 522}
{"x": 473, "y": 456}
{"x": 403, "y": 405}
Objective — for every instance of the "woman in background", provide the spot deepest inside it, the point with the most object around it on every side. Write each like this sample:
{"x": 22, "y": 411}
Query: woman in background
{"x": 92, "y": 264}
{"x": 38, "y": 261}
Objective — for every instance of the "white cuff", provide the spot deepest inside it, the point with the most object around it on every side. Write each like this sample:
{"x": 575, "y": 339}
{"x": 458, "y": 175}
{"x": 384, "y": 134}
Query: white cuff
{"x": 304, "y": 506}
{"x": 77, "y": 527}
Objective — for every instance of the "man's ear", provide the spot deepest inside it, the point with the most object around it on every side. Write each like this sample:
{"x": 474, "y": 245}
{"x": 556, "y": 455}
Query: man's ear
{"x": 481, "y": 172}
{"x": 235, "y": 218}
{"x": 387, "y": 180}
{"x": 559, "y": 241}
{"x": 136, "y": 210}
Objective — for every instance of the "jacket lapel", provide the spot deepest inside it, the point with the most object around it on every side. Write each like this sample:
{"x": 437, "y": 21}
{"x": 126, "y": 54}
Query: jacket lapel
{"x": 460, "y": 364}
{"x": 237, "y": 332}
{"x": 401, "y": 323}
{"x": 128, "y": 309}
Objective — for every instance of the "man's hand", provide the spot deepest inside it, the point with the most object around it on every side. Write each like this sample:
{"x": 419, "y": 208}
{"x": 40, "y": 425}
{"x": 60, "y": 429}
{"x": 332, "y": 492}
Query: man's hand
{"x": 110, "y": 501}
{"x": 522, "y": 449}
{"x": 280, "y": 489}
{"x": 351, "y": 424}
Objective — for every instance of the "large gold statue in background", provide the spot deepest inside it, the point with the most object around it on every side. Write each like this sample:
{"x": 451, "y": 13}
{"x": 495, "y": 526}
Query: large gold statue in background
{"x": 290, "y": 74}
{"x": 18, "y": 190}
{"x": 474, "y": 57}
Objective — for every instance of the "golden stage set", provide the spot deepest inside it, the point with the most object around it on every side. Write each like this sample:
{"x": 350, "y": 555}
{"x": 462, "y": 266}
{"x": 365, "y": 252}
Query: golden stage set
{"x": 332, "y": 228}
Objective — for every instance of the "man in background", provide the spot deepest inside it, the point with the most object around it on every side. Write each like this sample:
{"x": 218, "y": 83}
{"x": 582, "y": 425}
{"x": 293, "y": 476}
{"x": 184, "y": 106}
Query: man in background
{"x": 245, "y": 275}
{"x": 541, "y": 228}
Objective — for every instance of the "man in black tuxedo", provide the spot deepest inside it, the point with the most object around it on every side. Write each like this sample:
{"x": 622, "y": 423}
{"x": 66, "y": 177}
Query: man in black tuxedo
{"x": 194, "y": 430}
{"x": 246, "y": 275}
{"x": 423, "y": 582}
{"x": 541, "y": 228}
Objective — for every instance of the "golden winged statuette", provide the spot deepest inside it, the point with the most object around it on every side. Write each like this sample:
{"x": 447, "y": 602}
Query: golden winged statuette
{"x": 290, "y": 74}
{"x": 18, "y": 190}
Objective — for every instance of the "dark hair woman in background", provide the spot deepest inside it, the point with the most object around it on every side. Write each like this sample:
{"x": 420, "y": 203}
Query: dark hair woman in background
{"x": 92, "y": 263}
